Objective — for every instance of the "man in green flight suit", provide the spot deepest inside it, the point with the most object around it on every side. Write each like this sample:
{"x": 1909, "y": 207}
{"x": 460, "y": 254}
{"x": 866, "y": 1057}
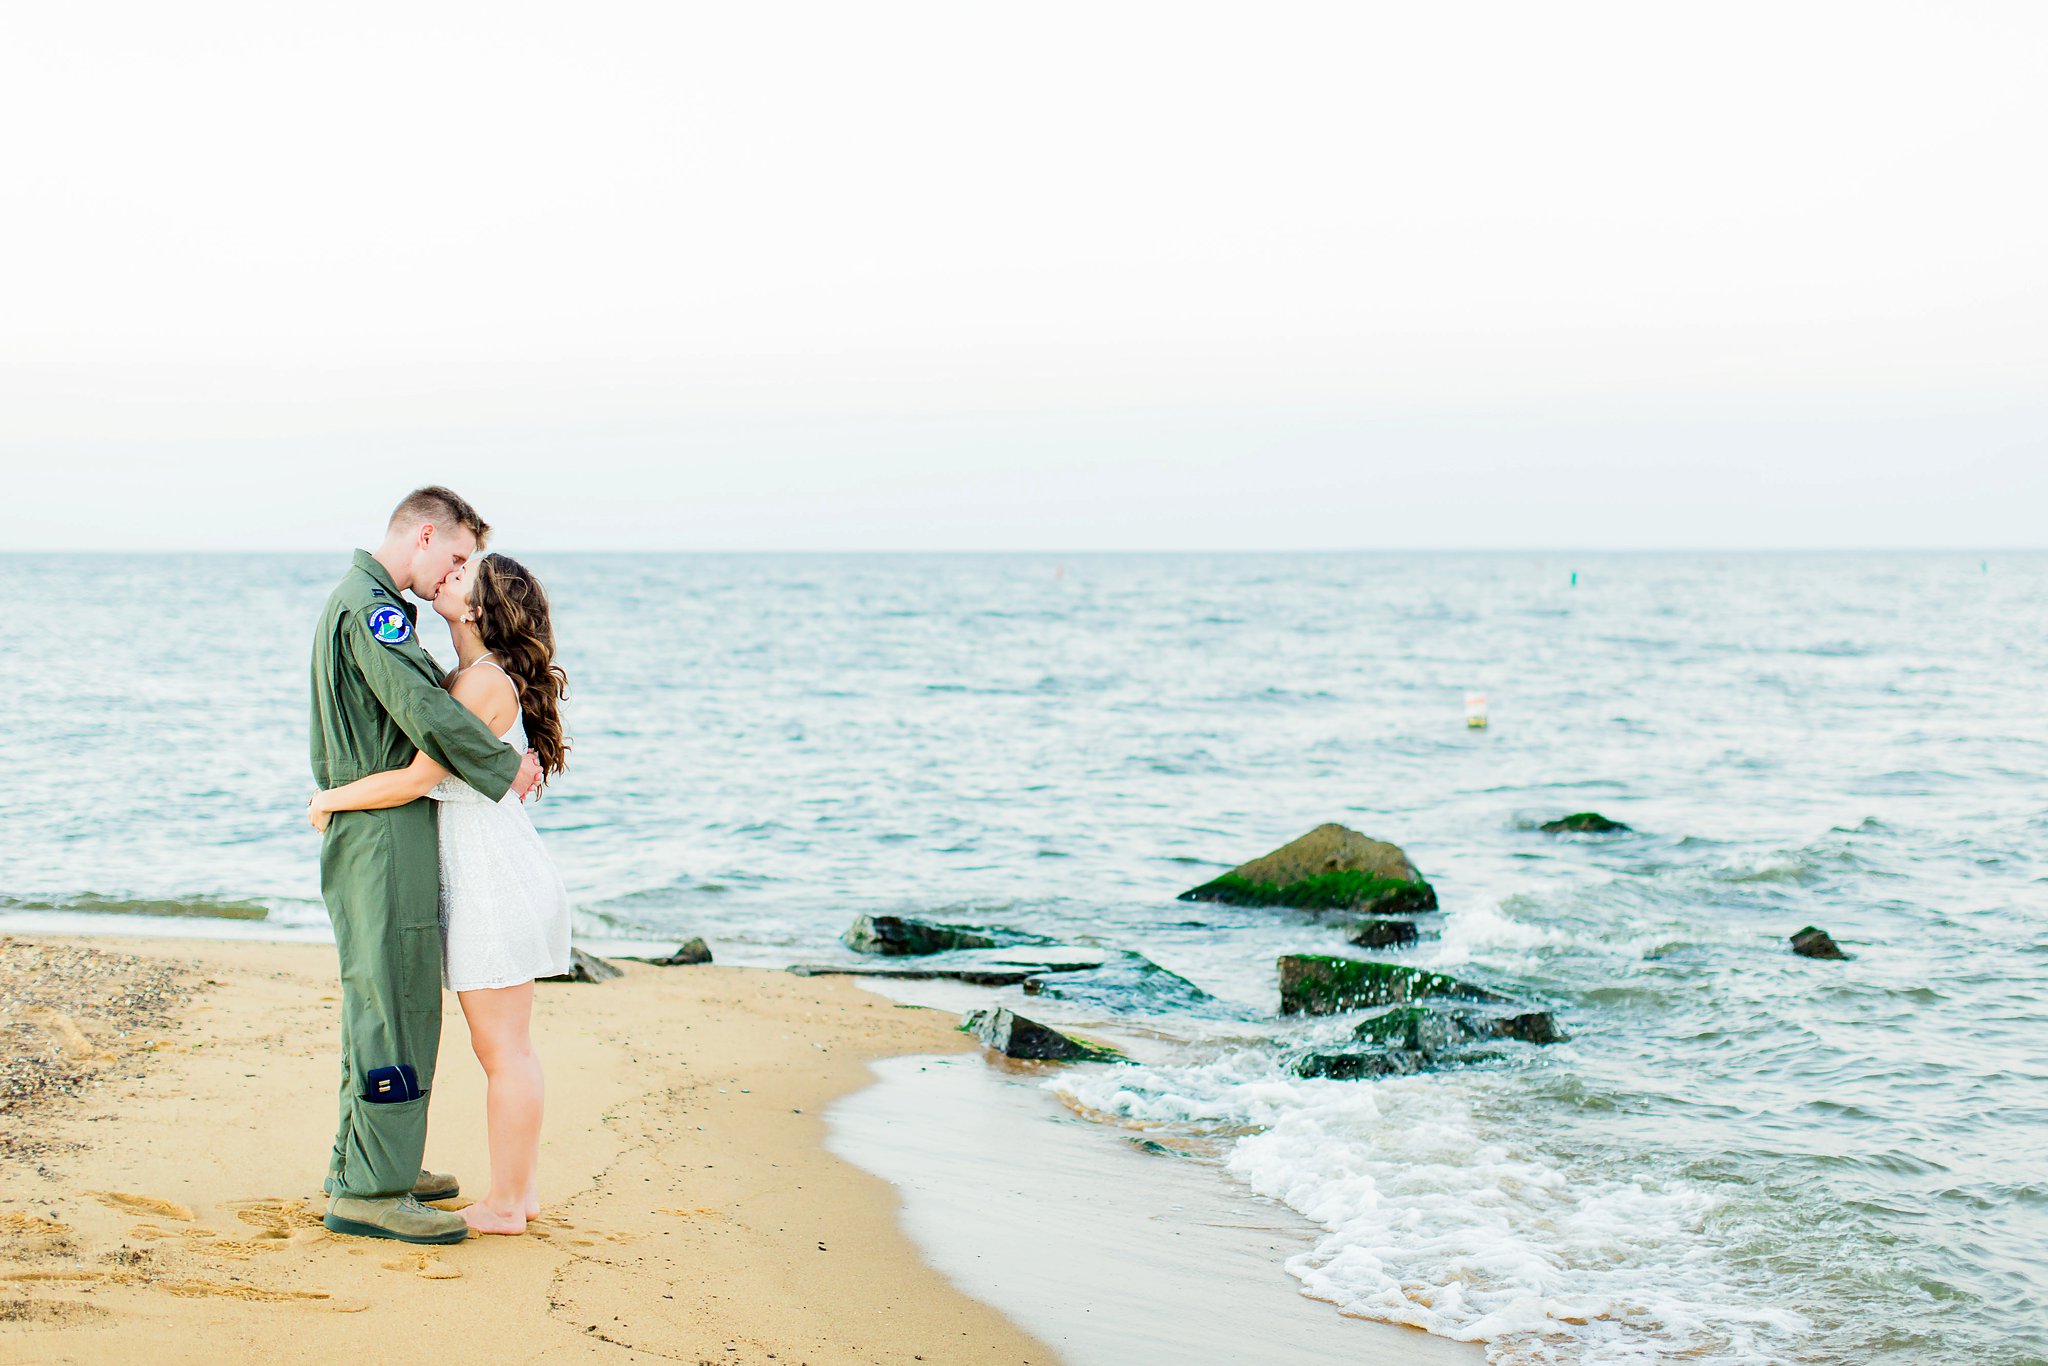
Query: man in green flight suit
{"x": 377, "y": 698}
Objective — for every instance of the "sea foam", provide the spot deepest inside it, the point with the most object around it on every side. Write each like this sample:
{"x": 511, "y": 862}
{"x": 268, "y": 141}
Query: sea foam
{"x": 1432, "y": 1222}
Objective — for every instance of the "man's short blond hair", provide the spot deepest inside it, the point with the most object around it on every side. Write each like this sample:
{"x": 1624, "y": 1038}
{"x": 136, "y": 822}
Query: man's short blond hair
{"x": 444, "y": 507}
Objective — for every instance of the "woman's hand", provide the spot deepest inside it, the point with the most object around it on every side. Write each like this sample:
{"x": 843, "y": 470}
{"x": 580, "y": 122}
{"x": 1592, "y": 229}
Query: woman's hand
{"x": 318, "y": 813}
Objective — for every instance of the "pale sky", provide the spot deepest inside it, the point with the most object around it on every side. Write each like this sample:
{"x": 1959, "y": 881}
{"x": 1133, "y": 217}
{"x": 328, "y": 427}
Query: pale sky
{"x": 1059, "y": 276}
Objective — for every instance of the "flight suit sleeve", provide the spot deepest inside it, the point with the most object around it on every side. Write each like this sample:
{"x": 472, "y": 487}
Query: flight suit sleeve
{"x": 442, "y": 728}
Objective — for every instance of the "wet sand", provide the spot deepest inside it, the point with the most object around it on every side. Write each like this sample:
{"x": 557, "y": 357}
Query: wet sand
{"x": 1110, "y": 1252}
{"x": 162, "y": 1204}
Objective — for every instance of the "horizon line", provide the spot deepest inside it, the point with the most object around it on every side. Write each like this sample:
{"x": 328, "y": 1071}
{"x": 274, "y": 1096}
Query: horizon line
{"x": 1102, "y": 550}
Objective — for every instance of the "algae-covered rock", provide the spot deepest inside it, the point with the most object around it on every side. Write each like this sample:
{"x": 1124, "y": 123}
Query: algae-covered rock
{"x": 1329, "y": 868}
{"x": 585, "y": 967}
{"x": 1318, "y": 984}
{"x": 1014, "y": 1036}
{"x": 1813, "y": 942}
{"x": 1581, "y": 823}
{"x": 1383, "y": 934}
{"x": 895, "y": 935}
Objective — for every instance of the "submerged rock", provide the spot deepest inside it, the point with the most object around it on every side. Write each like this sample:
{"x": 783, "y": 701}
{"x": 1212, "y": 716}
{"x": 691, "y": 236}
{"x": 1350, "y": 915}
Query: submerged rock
{"x": 1813, "y": 942}
{"x": 695, "y": 951}
{"x": 1582, "y": 823}
{"x": 1358, "y": 1066}
{"x": 898, "y": 936}
{"x": 1432, "y": 1029}
{"x": 1128, "y": 983}
{"x": 1534, "y": 1026}
{"x": 1426, "y": 1037}
{"x": 1329, "y": 868}
{"x": 1384, "y": 934}
{"x": 1014, "y": 1036}
{"x": 1155, "y": 1147}
{"x": 585, "y": 967}
{"x": 1318, "y": 984}
{"x": 993, "y": 975}
{"x": 1417, "y": 1029}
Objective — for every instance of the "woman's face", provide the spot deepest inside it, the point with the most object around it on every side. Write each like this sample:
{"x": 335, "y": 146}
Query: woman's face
{"x": 453, "y": 599}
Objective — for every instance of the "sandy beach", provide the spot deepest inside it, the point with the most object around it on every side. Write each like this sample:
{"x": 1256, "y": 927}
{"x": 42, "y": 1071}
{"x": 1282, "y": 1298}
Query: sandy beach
{"x": 171, "y": 1107}
{"x": 169, "y": 1209}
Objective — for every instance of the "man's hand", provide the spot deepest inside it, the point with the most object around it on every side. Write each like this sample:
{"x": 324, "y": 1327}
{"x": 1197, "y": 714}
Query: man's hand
{"x": 529, "y": 774}
{"x": 317, "y": 814}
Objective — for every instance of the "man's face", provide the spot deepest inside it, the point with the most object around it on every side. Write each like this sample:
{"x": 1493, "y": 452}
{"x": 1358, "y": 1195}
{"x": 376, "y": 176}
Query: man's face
{"x": 438, "y": 554}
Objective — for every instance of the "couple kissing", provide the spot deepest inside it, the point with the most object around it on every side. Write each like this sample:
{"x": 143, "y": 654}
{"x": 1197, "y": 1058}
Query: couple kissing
{"x": 431, "y": 869}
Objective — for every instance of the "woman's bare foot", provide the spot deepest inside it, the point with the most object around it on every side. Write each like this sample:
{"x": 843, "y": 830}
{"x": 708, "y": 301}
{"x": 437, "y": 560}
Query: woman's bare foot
{"x": 532, "y": 1201}
{"x": 487, "y": 1219}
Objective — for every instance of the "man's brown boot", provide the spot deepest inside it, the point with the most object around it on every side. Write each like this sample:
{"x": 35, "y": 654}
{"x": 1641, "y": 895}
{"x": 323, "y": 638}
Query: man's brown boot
{"x": 394, "y": 1216}
{"x": 436, "y": 1186}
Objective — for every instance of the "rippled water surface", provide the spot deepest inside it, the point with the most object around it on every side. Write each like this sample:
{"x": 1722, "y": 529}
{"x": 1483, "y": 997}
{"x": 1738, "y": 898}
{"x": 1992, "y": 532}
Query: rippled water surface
{"x": 1741, "y": 1155}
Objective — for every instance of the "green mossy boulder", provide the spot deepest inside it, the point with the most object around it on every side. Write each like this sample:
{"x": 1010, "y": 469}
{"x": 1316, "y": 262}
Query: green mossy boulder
{"x": 1014, "y": 1036}
{"x": 1318, "y": 984}
{"x": 898, "y": 937}
{"x": 1331, "y": 868}
{"x": 1582, "y": 823}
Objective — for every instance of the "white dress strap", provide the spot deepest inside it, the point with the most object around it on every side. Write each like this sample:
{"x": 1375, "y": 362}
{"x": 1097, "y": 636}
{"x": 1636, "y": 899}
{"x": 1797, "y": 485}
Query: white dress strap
{"x": 452, "y": 788}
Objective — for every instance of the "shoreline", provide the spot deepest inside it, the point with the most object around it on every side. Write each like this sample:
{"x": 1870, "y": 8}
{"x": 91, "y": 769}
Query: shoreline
{"x": 169, "y": 1210}
{"x": 1174, "y": 1265}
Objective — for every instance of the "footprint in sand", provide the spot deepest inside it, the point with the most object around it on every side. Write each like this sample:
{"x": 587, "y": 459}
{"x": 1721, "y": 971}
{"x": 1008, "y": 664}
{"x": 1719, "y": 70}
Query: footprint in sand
{"x": 50, "y": 1313}
{"x": 197, "y": 1289}
{"x": 144, "y": 1204}
{"x": 24, "y": 1237}
{"x": 117, "y": 1277}
{"x": 278, "y": 1218}
{"x": 69, "y": 1036}
{"x": 426, "y": 1266}
{"x": 240, "y": 1249}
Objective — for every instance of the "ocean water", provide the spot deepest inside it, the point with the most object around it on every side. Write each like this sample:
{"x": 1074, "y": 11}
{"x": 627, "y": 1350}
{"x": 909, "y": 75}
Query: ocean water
{"x": 1740, "y": 1155}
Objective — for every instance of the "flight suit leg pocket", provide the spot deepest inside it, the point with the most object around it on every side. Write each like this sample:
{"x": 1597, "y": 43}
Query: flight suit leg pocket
{"x": 419, "y": 1003}
{"x": 382, "y": 1148}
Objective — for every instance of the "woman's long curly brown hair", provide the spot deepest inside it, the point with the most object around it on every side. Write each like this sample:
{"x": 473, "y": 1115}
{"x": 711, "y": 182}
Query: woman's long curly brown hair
{"x": 512, "y": 617}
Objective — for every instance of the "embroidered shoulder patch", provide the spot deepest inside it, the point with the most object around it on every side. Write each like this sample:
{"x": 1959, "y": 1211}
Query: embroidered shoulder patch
{"x": 390, "y": 626}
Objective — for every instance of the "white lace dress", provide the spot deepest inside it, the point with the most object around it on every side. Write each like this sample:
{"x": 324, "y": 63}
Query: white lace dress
{"x": 504, "y": 911}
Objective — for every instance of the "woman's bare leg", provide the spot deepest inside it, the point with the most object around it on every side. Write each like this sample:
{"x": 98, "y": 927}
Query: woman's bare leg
{"x": 499, "y": 1032}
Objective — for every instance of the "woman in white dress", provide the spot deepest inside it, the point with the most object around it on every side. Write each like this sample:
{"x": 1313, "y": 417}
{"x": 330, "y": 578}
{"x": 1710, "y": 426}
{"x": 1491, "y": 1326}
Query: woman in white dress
{"x": 504, "y": 913}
